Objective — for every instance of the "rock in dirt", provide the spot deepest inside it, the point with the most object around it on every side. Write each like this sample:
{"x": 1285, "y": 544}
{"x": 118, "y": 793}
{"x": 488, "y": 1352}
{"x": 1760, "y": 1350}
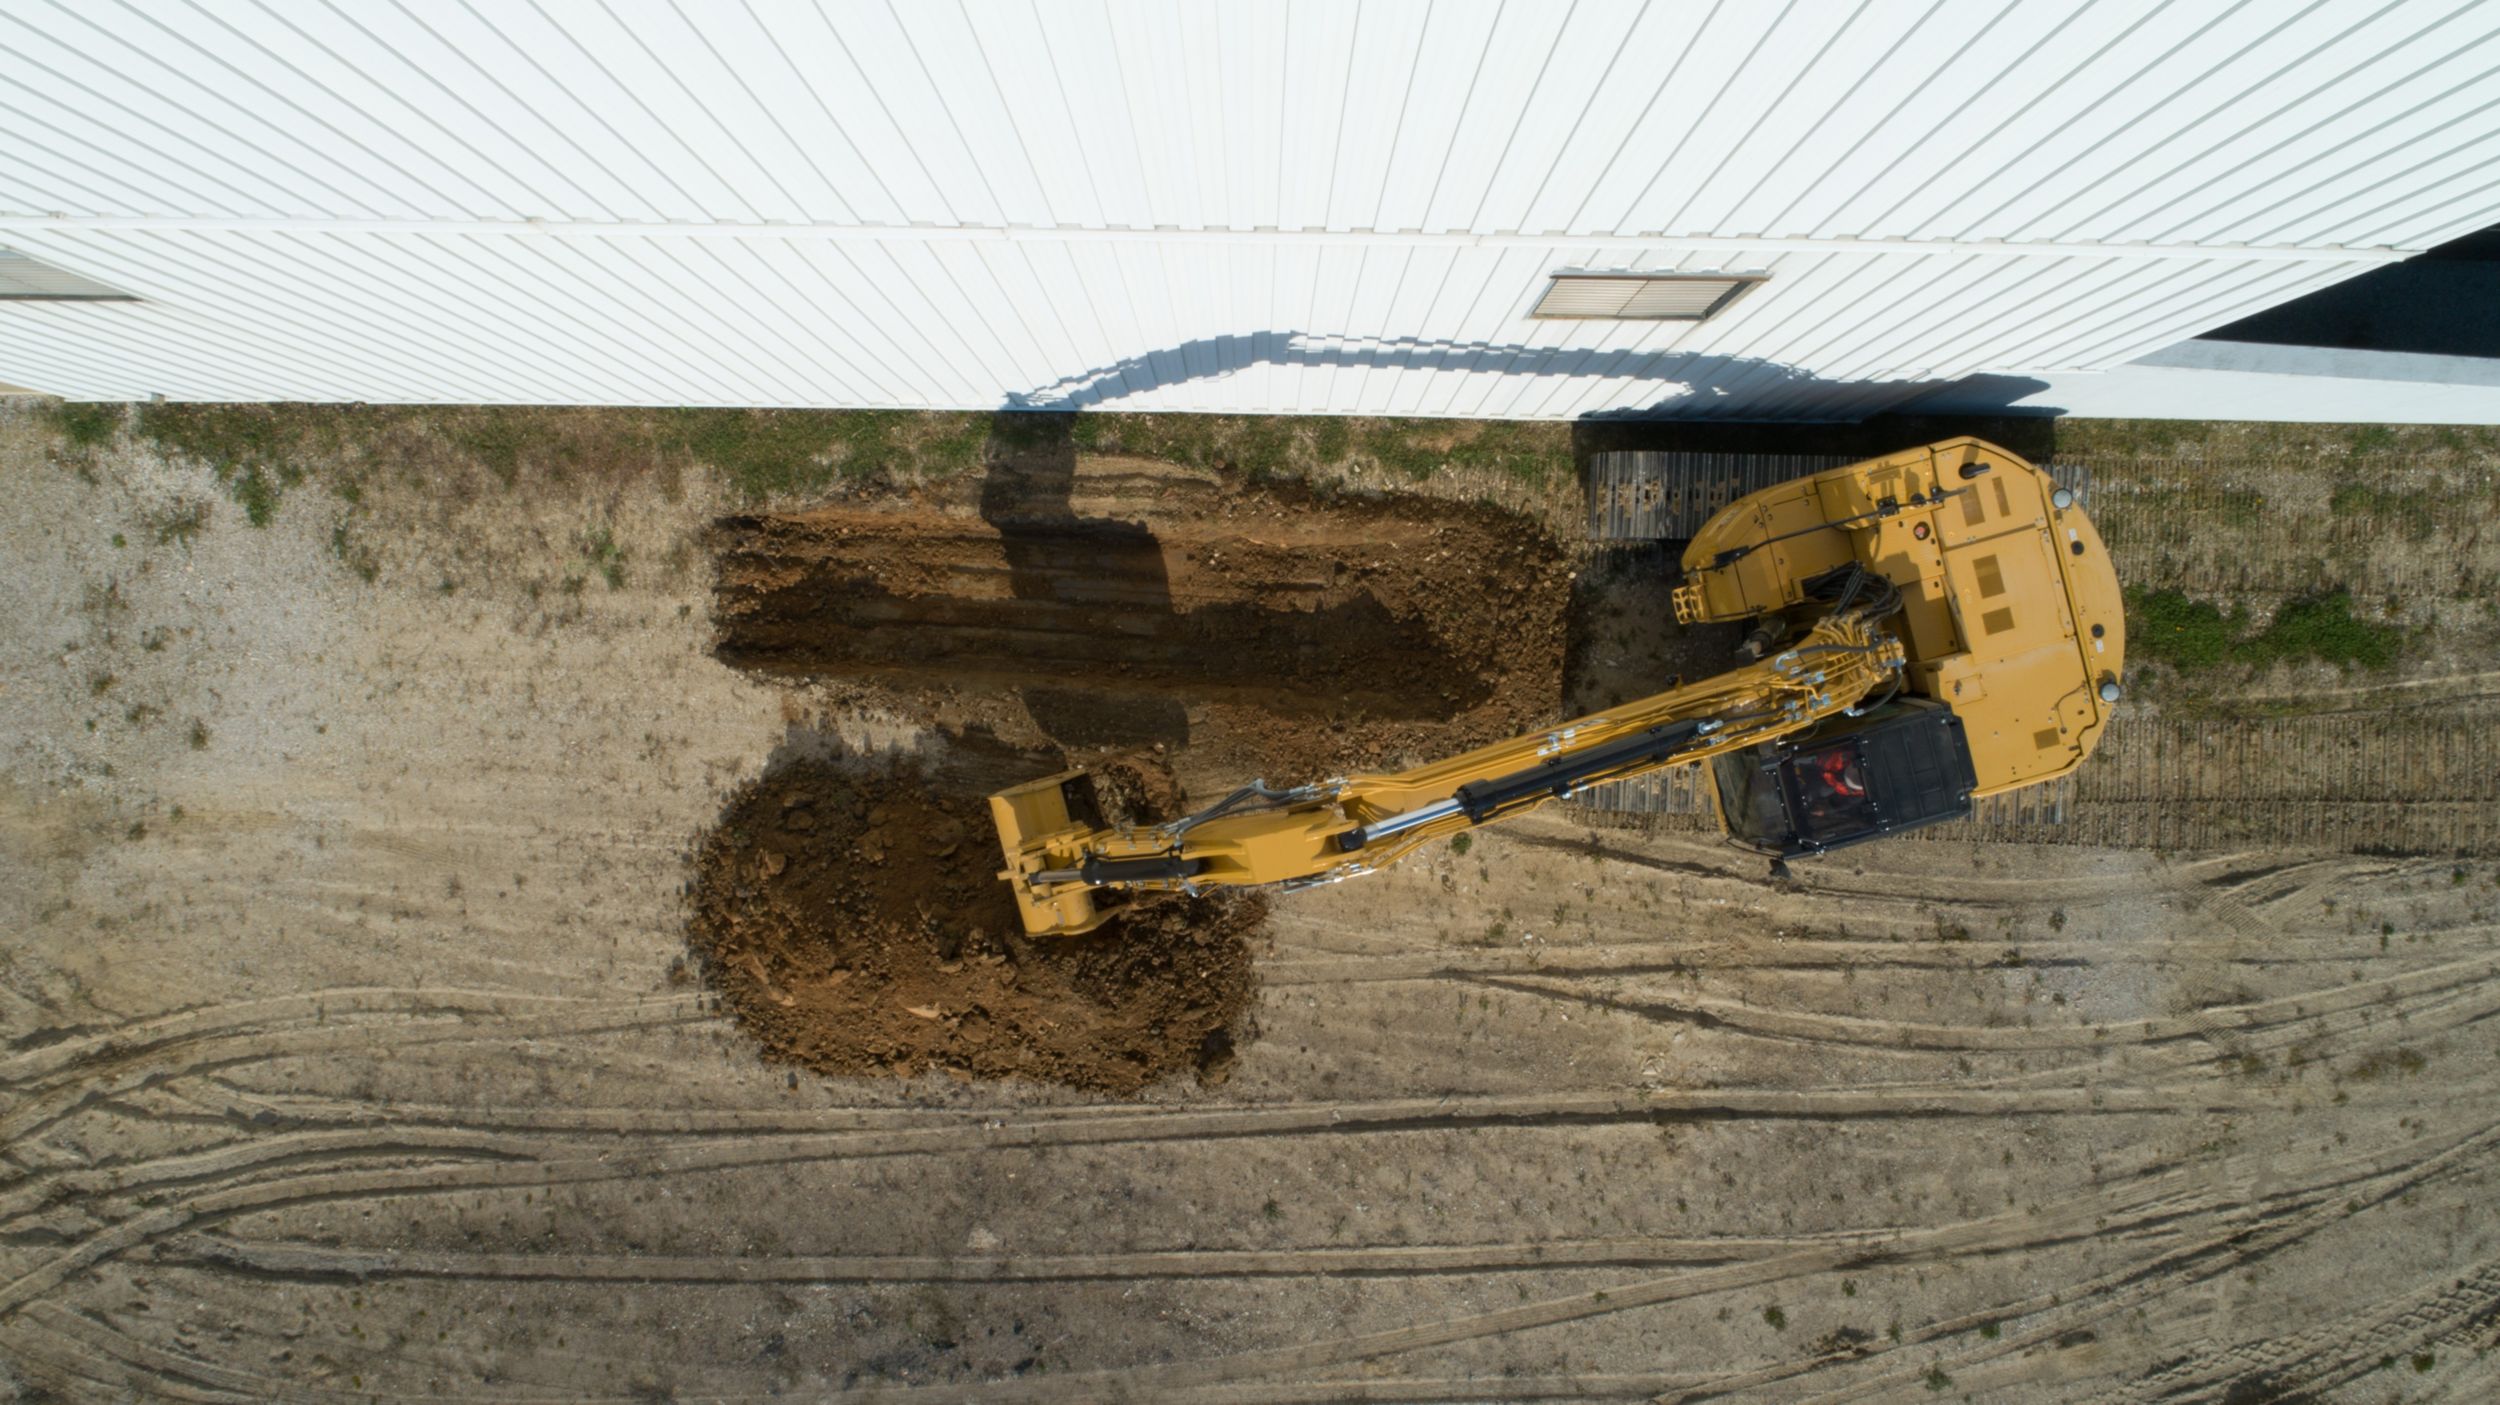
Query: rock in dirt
{"x": 850, "y": 916}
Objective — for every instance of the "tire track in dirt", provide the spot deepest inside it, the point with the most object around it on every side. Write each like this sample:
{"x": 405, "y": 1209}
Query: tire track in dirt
{"x": 247, "y": 1161}
{"x": 1859, "y": 1032}
{"x": 82, "y": 1346}
{"x": 303, "y": 1260}
{"x": 1440, "y": 1390}
{"x": 202, "y": 1205}
{"x": 2454, "y": 992}
{"x": 55, "y": 1333}
{"x": 1614, "y": 959}
{"x": 1991, "y": 1235}
{"x": 2326, "y": 1358}
{"x": 73, "y": 1347}
{"x": 2248, "y": 1232}
{"x": 2213, "y": 868}
{"x": 2388, "y": 782}
{"x": 2445, "y": 1010}
{"x": 104, "y": 1067}
{"x": 48, "y": 1054}
{"x": 2168, "y": 1198}
{"x": 462, "y": 1139}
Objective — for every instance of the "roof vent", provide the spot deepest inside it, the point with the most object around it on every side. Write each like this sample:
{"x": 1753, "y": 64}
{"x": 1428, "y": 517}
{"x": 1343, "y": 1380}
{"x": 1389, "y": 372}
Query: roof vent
{"x": 1643, "y": 297}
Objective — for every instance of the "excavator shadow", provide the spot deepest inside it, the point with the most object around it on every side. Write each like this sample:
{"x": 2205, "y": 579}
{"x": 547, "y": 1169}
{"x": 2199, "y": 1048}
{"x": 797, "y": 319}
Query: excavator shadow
{"x": 1056, "y": 558}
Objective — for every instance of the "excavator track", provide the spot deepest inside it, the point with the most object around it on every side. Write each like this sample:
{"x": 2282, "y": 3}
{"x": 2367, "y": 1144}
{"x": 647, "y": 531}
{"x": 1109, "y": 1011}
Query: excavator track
{"x": 1649, "y": 495}
{"x": 1665, "y": 495}
{"x": 1684, "y": 790}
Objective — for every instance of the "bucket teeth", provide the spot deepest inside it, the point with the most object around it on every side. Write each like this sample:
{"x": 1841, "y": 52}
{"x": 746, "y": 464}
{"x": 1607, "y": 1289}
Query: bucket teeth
{"x": 1041, "y": 825}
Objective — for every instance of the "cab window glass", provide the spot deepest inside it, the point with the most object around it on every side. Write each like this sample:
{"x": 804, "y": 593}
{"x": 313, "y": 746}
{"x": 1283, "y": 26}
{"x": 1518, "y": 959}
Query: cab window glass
{"x": 1749, "y": 795}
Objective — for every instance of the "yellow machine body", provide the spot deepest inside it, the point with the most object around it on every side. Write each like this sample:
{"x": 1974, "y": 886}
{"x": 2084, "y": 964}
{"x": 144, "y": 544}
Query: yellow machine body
{"x": 1949, "y": 594}
{"x": 2010, "y": 609}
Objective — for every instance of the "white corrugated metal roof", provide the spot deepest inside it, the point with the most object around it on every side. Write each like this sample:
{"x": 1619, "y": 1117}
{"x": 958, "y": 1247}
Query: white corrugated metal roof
{"x": 801, "y": 321}
{"x": 1236, "y": 205}
{"x": 2262, "y": 122}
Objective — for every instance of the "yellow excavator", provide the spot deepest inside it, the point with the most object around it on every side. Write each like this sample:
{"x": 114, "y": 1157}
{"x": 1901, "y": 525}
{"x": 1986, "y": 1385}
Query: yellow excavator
{"x": 1928, "y": 628}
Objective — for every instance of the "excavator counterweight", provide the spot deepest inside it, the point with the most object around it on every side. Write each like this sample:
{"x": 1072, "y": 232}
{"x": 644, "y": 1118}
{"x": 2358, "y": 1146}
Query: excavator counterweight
{"x": 1928, "y": 627}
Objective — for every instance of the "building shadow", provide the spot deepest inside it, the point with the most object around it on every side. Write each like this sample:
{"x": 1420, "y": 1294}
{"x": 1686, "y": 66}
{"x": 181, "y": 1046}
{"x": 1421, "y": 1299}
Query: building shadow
{"x": 1701, "y": 405}
{"x": 1692, "y": 387}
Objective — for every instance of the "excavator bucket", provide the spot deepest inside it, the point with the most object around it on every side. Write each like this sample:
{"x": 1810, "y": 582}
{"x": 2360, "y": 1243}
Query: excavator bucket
{"x": 1029, "y": 818}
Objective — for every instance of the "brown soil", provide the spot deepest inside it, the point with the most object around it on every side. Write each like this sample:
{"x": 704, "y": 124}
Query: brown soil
{"x": 1270, "y": 632}
{"x": 850, "y": 915}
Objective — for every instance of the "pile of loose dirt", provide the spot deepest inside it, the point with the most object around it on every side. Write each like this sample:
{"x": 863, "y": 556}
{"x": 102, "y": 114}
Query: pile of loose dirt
{"x": 1269, "y": 631}
{"x": 850, "y": 915}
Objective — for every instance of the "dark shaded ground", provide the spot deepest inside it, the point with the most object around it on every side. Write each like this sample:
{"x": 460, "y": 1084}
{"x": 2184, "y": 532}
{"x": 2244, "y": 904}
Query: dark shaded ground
{"x": 2034, "y": 436}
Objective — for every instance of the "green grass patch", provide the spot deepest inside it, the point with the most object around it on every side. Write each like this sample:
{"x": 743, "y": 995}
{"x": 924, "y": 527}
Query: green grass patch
{"x": 354, "y": 554}
{"x": 2323, "y": 627}
{"x": 2190, "y": 634}
{"x": 85, "y": 426}
{"x": 606, "y": 557}
{"x": 2239, "y": 507}
{"x": 1260, "y": 446}
{"x": 178, "y": 524}
{"x": 2373, "y": 439}
{"x": 257, "y": 452}
{"x": 497, "y": 439}
{"x": 2258, "y": 441}
{"x": 2184, "y": 633}
{"x": 765, "y": 452}
{"x": 256, "y": 490}
{"x": 2411, "y": 511}
{"x": 2226, "y": 506}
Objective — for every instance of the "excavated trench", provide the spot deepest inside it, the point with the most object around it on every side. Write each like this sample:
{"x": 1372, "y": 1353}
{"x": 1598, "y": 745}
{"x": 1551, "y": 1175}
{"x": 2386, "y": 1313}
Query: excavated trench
{"x": 1270, "y": 631}
{"x": 847, "y": 908}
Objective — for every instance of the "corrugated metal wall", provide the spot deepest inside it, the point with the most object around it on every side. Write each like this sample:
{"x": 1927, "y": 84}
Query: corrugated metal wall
{"x": 1242, "y": 206}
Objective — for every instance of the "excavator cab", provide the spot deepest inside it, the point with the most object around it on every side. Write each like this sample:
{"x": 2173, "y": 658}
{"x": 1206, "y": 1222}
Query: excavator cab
{"x": 1901, "y": 767}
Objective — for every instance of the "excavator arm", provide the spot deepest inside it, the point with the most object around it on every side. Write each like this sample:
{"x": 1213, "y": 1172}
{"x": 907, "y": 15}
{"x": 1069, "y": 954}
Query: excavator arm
{"x": 1928, "y": 627}
{"x": 1059, "y": 854}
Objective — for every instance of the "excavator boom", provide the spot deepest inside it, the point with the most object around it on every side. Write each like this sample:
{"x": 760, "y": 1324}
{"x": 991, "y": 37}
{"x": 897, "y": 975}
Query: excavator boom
{"x": 1058, "y": 854}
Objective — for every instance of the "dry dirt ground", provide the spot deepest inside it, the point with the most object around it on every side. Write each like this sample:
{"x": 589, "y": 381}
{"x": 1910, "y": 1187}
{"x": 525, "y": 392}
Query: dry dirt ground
{"x": 352, "y": 1046}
